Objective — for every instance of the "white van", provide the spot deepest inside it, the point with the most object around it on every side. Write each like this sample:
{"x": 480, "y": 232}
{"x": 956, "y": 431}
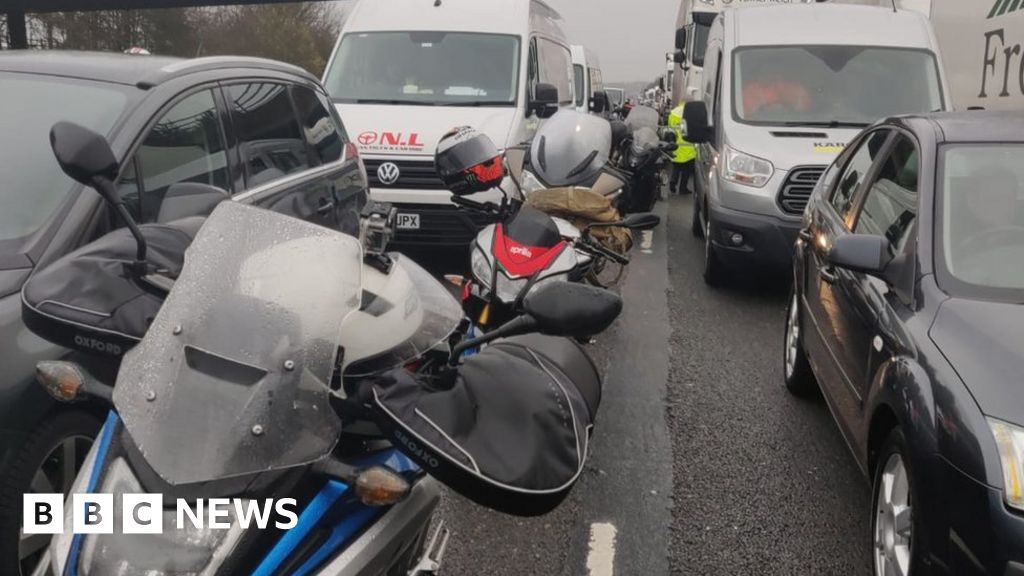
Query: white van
{"x": 785, "y": 88}
{"x": 692, "y": 25}
{"x": 404, "y": 72}
{"x": 590, "y": 94}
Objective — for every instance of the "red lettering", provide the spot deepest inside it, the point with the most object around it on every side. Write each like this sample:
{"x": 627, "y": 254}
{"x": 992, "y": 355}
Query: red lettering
{"x": 391, "y": 138}
{"x": 414, "y": 141}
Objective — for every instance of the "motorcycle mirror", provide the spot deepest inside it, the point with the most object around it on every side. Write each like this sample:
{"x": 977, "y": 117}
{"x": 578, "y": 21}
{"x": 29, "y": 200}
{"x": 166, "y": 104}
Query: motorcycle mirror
{"x": 83, "y": 155}
{"x": 645, "y": 221}
{"x": 570, "y": 309}
{"x": 86, "y": 157}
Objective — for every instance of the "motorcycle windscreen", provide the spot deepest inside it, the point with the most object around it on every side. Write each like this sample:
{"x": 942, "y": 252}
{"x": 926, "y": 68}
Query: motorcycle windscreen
{"x": 570, "y": 148}
{"x": 412, "y": 314}
{"x": 233, "y": 376}
{"x": 642, "y": 117}
{"x": 644, "y": 139}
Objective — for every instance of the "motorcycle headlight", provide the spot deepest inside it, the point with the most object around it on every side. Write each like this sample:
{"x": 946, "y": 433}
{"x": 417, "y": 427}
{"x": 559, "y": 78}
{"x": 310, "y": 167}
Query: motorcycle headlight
{"x": 745, "y": 169}
{"x": 184, "y": 550}
{"x": 508, "y": 290}
{"x": 530, "y": 183}
{"x": 1010, "y": 440}
{"x": 481, "y": 268}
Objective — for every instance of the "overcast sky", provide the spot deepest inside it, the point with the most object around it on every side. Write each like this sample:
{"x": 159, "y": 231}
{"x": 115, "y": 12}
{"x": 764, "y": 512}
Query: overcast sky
{"x": 630, "y": 37}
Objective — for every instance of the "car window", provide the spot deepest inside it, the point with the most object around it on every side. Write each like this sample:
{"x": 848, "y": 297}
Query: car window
{"x": 322, "y": 133}
{"x": 890, "y": 206}
{"x": 185, "y": 145}
{"x": 556, "y": 68}
{"x": 856, "y": 171}
{"x": 270, "y": 142}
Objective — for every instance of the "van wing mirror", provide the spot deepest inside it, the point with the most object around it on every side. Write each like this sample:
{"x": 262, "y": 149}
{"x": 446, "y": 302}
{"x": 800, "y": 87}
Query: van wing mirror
{"x": 681, "y": 39}
{"x": 599, "y": 103}
{"x": 679, "y": 57}
{"x": 698, "y": 130}
{"x": 545, "y": 100}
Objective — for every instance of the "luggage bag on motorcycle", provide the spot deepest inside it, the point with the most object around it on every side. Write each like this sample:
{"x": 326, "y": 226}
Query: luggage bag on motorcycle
{"x": 88, "y": 301}
{"x": 511, "y": 434}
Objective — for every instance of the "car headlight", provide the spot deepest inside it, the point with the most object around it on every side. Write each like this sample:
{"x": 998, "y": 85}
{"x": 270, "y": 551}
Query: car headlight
{"x": 745, "y": 169}
{"x": 1010, "y": 440}
{"x": 508, "y": 290}
{"x": 481, "y": 268}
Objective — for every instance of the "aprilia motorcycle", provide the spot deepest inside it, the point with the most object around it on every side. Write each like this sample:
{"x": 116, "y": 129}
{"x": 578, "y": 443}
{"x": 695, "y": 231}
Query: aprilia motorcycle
{"x": 262, "y": 376}
{"x": 525, "y": 248}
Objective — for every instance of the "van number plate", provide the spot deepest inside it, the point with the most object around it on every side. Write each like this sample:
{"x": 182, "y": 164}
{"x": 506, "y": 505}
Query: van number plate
{"x": 408, "y": 221}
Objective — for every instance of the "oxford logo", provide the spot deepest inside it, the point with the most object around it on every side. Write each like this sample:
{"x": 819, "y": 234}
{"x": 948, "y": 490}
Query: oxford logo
{"x": 388, "y": 173}
{"x": 1005, "y": 7}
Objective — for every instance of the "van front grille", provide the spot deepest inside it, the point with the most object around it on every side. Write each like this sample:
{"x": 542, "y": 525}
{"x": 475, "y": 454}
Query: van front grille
{"x": 412, "y": 174}
{"x": 796, "y": 190}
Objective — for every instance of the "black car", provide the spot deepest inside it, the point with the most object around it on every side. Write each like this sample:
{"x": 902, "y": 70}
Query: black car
{"x": 908, "y": 308}
{"x": 188, "y": 133}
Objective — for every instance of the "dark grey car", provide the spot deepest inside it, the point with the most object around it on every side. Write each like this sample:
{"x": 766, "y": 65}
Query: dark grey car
{"x": 262, "y": 131}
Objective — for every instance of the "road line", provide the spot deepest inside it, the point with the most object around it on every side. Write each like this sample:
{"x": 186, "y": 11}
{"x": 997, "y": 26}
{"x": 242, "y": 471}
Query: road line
{"x": 601, "y": 558}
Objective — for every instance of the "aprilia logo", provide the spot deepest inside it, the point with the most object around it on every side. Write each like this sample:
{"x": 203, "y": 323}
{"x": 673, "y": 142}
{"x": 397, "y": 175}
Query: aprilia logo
{"x": 97, "y": 345}
{"x": 521, "y": 251}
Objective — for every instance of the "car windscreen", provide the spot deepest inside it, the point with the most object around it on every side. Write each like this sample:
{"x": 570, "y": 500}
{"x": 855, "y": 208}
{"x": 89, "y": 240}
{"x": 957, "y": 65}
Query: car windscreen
{"x": 33, "y": 185}
{"x": 980, "y": 236}
{"x": 832, "y": 85}
{"x": 425, "y": 68}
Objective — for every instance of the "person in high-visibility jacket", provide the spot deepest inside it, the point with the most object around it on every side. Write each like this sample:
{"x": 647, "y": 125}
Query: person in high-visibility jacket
{"x": 686, "y": 153}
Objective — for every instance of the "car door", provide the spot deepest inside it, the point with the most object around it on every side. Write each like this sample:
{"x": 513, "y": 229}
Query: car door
{"x": 835, "y": 340}
{"x": 279, "y": 170}
{"x": 707, "y": 156}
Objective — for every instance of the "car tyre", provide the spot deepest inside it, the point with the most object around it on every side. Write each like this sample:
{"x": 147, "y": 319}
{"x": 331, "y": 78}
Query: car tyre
{"x": 714, "y": 272}
{"x": 38, "y": 466}
{"x": 795, "y": 367}
{"x": 895, "y": 552}
{"x": 695, "y": 225}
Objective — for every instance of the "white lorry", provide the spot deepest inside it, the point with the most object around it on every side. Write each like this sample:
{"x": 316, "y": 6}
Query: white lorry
{"x": 692, "y": 26}
{"x": 982, "y": 44}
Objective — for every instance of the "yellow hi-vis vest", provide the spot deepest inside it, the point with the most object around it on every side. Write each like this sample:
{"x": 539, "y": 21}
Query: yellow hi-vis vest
{"x": 686, "y": 152}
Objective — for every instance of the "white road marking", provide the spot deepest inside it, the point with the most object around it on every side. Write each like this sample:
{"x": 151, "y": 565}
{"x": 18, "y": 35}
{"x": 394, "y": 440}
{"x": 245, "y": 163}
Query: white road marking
{"x": 601, "y": 558}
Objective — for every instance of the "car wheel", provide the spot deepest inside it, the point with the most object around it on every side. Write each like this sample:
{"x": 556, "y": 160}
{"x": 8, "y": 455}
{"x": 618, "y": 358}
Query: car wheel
{"x": 47, "y": 462}
{"x": 714, "y": 274}
{"x": 799, "y": 379}
{"x": 695, "y": 225}
{"x": 895, "y": 551}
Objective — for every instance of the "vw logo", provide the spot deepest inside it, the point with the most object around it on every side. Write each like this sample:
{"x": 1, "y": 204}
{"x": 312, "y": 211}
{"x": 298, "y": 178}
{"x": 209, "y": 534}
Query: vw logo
{"x": 388, "y": 173}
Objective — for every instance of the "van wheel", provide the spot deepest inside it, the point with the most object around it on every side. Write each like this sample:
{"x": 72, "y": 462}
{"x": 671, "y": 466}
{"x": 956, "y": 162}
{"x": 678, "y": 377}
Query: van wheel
{"x": 895, "y": 524}
{"x": 797, "y": 371}
{"x": 48, "y": 461}
{"x": 714, "y": 273}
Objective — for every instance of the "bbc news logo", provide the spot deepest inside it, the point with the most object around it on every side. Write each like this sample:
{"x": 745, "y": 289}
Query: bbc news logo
{"x": 144, "y": 514}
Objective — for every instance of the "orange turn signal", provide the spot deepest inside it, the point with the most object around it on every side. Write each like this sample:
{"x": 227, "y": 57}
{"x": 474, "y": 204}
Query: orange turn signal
{"x": 380, "y": 486}
{"x": 62, "y": 380}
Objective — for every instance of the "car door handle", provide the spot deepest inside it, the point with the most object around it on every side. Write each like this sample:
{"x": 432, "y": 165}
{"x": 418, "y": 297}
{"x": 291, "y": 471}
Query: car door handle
{"x": 325, "y": 208}
{"x": 828, "y": 274}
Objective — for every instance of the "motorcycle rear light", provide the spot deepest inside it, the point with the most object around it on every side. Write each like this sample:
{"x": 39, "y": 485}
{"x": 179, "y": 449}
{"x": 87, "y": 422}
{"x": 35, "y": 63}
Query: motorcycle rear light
{"x": 380, "y": 486}
{"x": 60, "y": 379}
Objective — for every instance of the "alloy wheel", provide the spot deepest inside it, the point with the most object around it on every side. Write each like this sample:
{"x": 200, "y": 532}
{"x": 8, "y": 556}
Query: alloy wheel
{"x": 56, "y": 475}
{"x": 893, "y": 534}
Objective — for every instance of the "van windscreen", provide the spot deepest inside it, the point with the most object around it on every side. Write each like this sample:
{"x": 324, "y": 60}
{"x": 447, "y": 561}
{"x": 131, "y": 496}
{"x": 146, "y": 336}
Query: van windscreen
{"x": 832, "y": 85}
{"x": 425, "y": 69}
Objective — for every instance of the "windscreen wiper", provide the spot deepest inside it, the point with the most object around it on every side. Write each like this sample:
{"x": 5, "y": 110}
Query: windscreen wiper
{"x": 831, "y": 124}
{"x": 481, "y": 103}
{"x": 393, "y": 102}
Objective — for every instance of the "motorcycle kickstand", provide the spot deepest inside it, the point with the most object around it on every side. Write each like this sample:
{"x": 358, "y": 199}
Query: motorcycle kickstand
{"x": 430, "y": 563}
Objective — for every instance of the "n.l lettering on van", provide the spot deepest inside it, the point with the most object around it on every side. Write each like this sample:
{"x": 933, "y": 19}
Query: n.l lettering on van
{"x": 385, "y": 141}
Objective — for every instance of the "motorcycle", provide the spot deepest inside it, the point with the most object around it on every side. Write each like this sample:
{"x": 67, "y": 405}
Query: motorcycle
{"x": 287, "y": 361}
{"x": 526, "y": 247}
{"x": 642, "y": 155}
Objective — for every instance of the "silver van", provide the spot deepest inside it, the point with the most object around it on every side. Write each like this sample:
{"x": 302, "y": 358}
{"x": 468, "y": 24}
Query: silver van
{"x": 785, "y": 88}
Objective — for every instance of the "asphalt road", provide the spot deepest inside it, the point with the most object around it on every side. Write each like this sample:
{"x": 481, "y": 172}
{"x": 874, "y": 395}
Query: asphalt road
{"x": 701, "y": 462}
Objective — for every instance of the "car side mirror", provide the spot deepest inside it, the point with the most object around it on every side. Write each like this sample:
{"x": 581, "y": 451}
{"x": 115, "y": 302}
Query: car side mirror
{"x": 680, "y": 39}
{"x": 864, "y": 253}
{"x": 570, "y": 309}
{"x": 698, "y": 129}
{"x": 84, "y": 155}
{"x": 545, "y": 100}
